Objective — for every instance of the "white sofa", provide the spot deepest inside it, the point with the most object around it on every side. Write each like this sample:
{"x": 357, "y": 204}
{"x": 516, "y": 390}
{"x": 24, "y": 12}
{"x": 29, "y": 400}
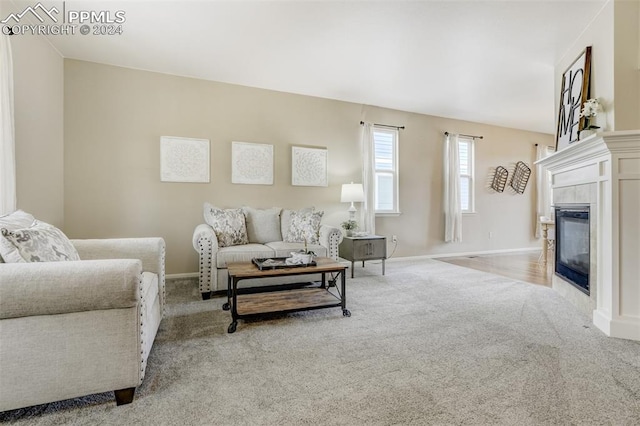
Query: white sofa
{"x": 74, "y": 328}
{"x": 267, "y": 236}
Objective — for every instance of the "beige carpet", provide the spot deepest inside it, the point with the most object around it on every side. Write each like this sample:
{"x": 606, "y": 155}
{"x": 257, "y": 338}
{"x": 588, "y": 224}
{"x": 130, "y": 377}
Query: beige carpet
{"x": 429, "y": 343}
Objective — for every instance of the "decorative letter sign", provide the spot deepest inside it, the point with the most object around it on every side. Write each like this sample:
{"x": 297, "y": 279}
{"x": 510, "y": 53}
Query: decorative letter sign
{"x": 575, "y": 90}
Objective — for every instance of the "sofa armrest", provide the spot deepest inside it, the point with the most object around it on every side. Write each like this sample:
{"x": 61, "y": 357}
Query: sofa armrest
{"x": 49, "y": 288}
{"x": 205, "y": 243}
{"x": 150, "y": 251}
{"x": 204, "y": 231}
{"x": 330, "y": 237}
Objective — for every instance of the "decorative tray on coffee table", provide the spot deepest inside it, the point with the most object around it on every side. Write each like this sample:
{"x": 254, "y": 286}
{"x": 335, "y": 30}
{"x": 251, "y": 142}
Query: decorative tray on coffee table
{"x": 277, "y": 263}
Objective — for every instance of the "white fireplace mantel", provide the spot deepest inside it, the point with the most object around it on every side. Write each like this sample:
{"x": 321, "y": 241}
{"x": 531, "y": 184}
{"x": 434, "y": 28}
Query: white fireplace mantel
{"x": 611, "y": 161}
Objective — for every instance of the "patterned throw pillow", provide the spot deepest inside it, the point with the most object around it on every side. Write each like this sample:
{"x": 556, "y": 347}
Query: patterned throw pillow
{"x": 228, "y": 225}
{"x": 304, "y": 226}
{"x": 39, "y": 243}
{"x": 16, "y": 220}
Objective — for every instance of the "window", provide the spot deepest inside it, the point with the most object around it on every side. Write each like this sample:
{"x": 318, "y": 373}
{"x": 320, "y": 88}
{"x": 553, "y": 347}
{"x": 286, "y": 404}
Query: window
{"x": 385, "y": 147}
{"x": 465, "y": 153}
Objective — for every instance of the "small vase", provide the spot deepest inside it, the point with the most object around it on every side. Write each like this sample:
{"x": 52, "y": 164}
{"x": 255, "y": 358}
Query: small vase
{"x": 349, "y": 233}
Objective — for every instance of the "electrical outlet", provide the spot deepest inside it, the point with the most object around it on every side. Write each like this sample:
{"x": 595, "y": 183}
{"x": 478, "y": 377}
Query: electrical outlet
{"x": 394, "y": 239}
{"x": 490, "y": 235}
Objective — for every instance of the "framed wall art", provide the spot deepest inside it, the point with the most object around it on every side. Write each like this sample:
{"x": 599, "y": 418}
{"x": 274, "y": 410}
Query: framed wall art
{"x": 575, "y": 91}
{"x": 309, "y": 166}
{"x": 184, "y": 160}
{"x": 251, "y": 163}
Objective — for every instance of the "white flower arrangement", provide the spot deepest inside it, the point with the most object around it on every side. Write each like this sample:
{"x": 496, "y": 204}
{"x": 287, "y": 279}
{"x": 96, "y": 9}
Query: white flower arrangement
{"x": 590, "y": 108}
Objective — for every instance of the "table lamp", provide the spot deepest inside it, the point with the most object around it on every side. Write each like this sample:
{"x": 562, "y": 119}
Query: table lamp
{"x": 352, "y": 192}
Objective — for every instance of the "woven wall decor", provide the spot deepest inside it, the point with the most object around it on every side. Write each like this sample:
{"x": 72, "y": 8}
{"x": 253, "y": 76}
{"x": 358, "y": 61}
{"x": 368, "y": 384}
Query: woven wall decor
{"x": 499, "y": 179}
{"x": 520, "y": 177}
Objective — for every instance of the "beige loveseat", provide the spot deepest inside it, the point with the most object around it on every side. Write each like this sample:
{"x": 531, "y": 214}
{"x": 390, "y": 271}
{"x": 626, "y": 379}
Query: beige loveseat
{"x": 269, "y": 233}
{"x": 74, "y": 328}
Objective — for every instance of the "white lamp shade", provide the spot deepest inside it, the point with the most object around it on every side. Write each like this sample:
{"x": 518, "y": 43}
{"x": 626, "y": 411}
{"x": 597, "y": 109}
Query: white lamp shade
{"x": 352, "y": 192}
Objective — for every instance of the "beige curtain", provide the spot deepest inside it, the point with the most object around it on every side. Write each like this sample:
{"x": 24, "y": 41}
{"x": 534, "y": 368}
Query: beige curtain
{"x": 368, "y": 179}
{"x": 7, "y": 132}
{"x": 452, "y": 209}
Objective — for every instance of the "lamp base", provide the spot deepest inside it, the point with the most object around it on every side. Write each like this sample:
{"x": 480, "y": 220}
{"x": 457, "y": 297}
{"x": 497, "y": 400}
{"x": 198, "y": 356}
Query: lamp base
{"x": 352, "y": 212}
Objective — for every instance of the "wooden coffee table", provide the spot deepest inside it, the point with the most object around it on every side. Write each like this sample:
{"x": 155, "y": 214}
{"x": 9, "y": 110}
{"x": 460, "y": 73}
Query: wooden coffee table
{"x": 283, "y": 298}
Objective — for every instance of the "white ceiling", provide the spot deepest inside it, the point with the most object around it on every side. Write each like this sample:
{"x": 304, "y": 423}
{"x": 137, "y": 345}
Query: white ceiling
{"x": 483, "y": 61}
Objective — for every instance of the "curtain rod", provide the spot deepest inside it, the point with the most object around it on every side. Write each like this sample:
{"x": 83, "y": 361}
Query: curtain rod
{"x": 384, "y": 125}
{"x": 469, "y": 136}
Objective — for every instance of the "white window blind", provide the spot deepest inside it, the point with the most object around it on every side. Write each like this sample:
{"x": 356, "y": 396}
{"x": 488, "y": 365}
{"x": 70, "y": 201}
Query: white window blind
{"x": 465, "y": 152}
{"x": 385, "y": 147}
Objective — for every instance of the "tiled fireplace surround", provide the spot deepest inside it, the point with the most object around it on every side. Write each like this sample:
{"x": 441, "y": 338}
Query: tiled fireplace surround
{"x": 603, "y": 171}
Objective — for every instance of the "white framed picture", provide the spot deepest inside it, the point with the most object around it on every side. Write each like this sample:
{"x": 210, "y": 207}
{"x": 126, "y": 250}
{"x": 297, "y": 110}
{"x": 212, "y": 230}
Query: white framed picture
{"x": 251, "y": 163}
{"x": 184, "y": 160}
{"x": 309, "y": 166}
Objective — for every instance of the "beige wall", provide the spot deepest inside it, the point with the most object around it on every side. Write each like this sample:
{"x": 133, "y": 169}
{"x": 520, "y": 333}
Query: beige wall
{"x": 599, "y": 35}
{"x": 507, "y": 216}
{"x": 114, "y": 118}
{"x": 627, "y": 64}
{"x": 615, "y": 64}
{"x": 38, "y": 91}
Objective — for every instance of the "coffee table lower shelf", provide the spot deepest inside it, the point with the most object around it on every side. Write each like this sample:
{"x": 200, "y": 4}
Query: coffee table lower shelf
{"x": 259, "y": 301}
{"x": 286, "y": 301}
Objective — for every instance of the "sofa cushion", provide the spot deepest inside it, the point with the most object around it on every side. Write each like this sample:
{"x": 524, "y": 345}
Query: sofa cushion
{"x": 228, "y": 225}
{"x": 263, "y": 226}
{"x": 39, "y": 243}
{"x": 304, "y": 227}
{"x": 284, "y": 249}
{"x": 242, "y": 253}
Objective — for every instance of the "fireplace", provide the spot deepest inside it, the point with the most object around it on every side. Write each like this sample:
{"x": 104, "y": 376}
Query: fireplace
{"x": 572, "y": 245}
{"x": 602, "y": 171}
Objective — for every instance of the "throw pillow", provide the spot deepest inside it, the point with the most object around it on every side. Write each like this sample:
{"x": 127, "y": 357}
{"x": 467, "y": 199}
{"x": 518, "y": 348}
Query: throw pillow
{"x": 228, "y": 225}
{"x": 41, "y": 242}
{"x": 285, "y": 219}
{"x": 263, "y": 226}
{"x": 16, "y": 220}
{"x": 304, "y": 227}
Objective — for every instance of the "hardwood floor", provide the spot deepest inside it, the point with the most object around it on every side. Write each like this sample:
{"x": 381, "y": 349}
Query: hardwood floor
{"x": 526, "y": 266}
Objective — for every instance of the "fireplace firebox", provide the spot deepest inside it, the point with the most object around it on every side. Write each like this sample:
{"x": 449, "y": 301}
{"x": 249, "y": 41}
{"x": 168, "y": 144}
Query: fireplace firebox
{"x": 572, "y": 245}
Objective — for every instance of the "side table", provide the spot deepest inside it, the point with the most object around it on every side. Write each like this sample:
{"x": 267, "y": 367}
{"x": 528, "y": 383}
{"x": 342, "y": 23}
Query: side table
{"x": 370, "y": 247}
{"x": 547, "y": 243}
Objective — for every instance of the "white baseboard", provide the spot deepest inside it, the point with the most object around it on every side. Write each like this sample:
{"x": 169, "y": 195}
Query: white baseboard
{"x": 424, "y": 256}
{"x": 182, "y": 276}
{"x": 467, "y": 253}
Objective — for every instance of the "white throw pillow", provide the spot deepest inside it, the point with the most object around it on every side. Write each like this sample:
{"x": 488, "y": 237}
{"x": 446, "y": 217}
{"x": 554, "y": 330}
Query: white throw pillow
{"x": 16, "y": 220}
{"x": 228, "y": 225}
{"x": 263, "y": 226}
{"x": 41, "y": 242}
{"x": 304, "y": 227}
